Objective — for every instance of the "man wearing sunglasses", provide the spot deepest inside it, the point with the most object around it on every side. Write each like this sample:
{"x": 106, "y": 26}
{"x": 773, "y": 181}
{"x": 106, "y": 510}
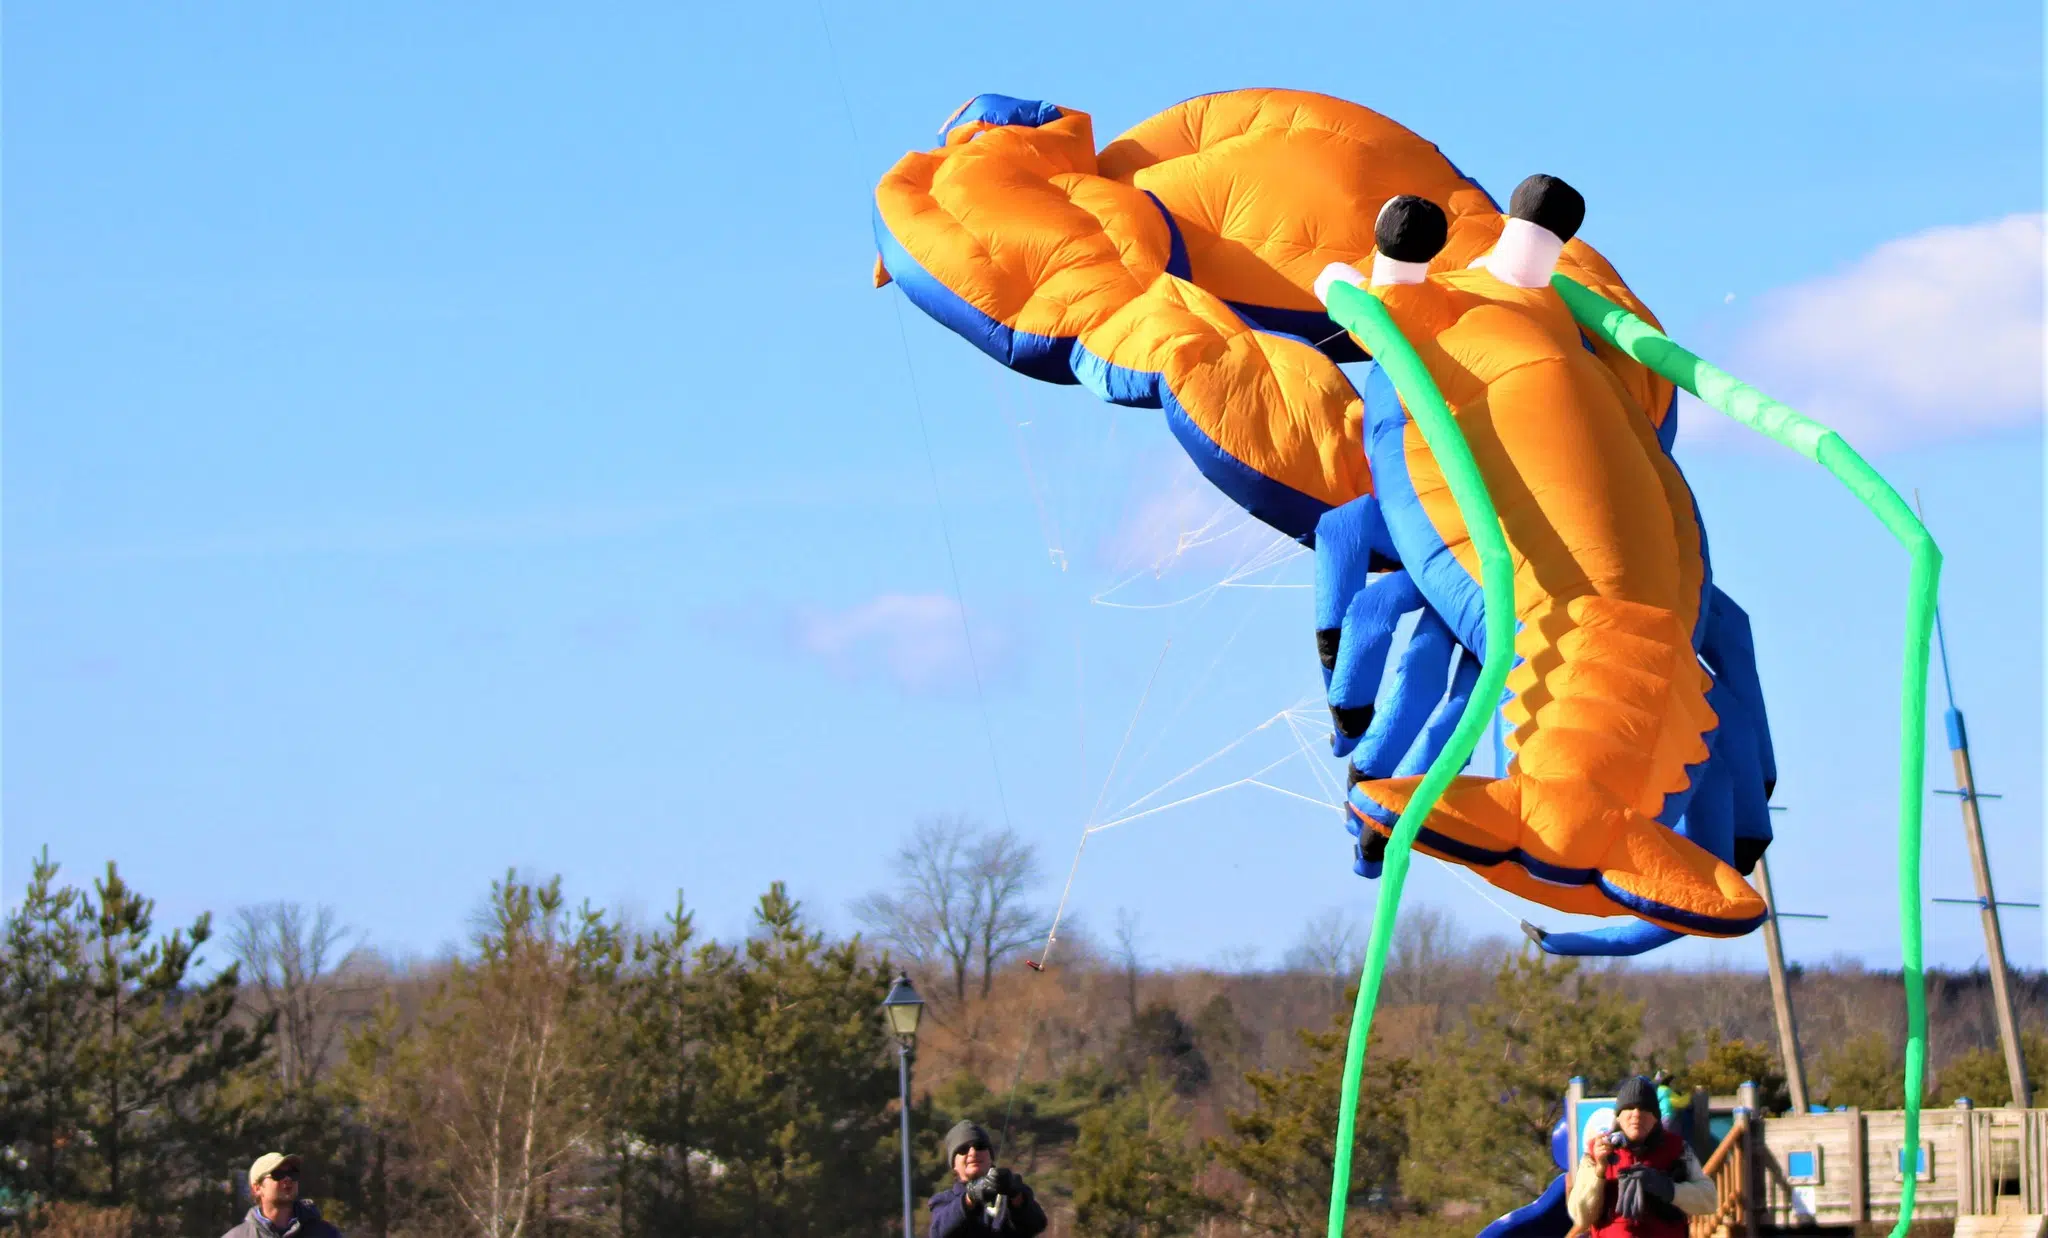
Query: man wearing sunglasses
{"x": 279, "y": 1212}
{"x": 983, "y": 1199}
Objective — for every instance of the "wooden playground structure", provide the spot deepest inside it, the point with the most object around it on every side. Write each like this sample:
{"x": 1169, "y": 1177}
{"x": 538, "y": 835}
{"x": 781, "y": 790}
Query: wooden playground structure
{"x": 1847, "y": 1168}
{"x": 1984, "y": 1169}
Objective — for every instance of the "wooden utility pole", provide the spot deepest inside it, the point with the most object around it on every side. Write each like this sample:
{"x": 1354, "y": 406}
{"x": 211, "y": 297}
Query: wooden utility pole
{"x": 1781, "y": 992}
{"x": 1987, "y": 902}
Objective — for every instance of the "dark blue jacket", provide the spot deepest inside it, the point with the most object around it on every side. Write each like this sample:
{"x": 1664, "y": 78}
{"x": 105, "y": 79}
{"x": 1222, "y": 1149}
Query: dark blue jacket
{"x": 954, "y": 1217}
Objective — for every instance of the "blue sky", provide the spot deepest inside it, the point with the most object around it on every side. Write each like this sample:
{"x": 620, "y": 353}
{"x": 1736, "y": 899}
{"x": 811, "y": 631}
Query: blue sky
{"x": 439, "y": 441}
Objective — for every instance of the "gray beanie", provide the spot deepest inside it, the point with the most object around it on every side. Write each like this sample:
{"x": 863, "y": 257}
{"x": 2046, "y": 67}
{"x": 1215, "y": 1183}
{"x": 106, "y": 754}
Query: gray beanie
{"x": 1636, "y": 1093}
{"x": 963, "y": 1133}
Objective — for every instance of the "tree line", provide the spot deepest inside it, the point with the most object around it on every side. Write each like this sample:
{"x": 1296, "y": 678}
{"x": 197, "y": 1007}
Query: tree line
{"x": 567, "y": 1075}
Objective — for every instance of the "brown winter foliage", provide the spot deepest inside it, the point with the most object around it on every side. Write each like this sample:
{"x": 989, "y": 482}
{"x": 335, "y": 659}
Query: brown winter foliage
{"x": 564, "y": 1076}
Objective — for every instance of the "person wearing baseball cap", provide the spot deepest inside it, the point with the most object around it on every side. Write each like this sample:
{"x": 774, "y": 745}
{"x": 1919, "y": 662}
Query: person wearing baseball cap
{"x": 983, "y": 1199}
{"x": 1641, "y": 1179}
{"x": 279, "y": 1212}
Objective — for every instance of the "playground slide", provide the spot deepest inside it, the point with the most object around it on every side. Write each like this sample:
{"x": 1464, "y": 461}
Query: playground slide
{"x": 1545, "y": 1217}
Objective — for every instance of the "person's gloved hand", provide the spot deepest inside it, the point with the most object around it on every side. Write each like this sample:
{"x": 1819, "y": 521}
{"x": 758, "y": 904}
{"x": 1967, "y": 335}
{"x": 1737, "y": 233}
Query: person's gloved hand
{"x": 983, "y": 1190}
{"x": 1007, "y": 1181}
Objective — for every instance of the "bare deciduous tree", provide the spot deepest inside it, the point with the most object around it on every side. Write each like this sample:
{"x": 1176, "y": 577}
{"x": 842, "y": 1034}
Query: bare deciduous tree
{"x": 512, "y": 1074}
{"x": 1127, "y": 956}
{"x": 1331, "y": 944}
{"x": 1426, "y": 944}
{"x": 960, "y": 903}
{"x": 1004, "y": 868}
{"x": 290, "y": 955}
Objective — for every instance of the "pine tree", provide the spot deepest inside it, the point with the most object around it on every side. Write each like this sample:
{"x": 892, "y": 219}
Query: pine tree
{"x": 1283, "y": 1146}
{"x": 158, "y": 1054}
{"x": 798, "y": 1083}
{"x": 1728, "y": 1064}
{"x": 1160, "y": 1041}
{"x": 1134, "y": 1168}
{"x": 1981, "y": 1077}
{"x": 1500, "y": 1087}
{"x": 1864, "y": 1072}
{"x": 43, "y": 1004}
{"x": 662, "y": 1002}
{"x": 368, "y": 1096}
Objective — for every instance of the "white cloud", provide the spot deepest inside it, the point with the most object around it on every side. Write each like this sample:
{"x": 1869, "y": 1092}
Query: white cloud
{"x": 1932, "y": 336}
{"x": 915, "y": 640}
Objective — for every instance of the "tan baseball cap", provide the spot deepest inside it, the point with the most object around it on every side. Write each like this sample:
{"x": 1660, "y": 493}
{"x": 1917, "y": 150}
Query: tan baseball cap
{"x": 268, "y": 1164}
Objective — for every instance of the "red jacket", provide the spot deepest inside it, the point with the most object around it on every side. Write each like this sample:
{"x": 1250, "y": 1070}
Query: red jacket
{"x": 1664, "y": 1152}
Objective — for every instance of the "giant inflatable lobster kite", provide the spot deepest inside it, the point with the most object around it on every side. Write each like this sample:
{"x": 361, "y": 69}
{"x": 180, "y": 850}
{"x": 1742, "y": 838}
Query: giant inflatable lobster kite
{"x": 1178, "y": 269}
{"x": 1503, "y": 471}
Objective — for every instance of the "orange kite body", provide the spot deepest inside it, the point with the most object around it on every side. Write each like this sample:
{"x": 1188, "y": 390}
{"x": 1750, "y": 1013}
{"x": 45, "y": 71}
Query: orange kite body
{"x": 1176, "y": 269}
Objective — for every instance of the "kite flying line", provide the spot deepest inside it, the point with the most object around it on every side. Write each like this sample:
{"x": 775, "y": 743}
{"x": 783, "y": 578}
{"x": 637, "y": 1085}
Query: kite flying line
{"x": 931, "y": 461}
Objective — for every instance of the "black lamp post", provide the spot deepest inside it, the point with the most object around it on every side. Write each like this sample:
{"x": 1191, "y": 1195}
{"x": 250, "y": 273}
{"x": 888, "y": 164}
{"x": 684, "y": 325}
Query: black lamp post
{"x": 903, "y": 1007}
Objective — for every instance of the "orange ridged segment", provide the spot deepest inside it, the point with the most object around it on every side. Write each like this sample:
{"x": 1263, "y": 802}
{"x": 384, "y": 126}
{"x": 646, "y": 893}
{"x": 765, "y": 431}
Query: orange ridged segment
{"x": 1609, "y": 702}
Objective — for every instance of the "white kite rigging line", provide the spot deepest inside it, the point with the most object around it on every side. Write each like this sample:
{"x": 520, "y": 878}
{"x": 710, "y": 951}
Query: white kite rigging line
{"x": 1272, "y": 554}
{"x": 1205, "y": 761}
{"x": 1201, "y": 682}
{"x": 1222, "y": 522}
{"x": 1251, "y": 780}
{"x": 1296, "y": 719}
{"x": 1024, "y": 409}
{"x": 1338, "y": 797}
{"x": 1094, "y": 826}
{"x": 1052, "y": 932}
{"x": 1048, "y": 518}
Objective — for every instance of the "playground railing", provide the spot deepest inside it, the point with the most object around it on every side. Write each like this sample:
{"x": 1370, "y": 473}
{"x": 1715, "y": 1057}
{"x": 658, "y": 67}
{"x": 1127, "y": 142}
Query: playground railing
{"x": 1729, "y": 1168}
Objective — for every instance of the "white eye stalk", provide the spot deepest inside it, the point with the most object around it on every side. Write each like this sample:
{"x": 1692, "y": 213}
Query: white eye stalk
{"x": 1337, "y": 273}
{"x": 1544, "y": 214}
{"x": 1387, "y": 271}
{"x": 1526, "y": 255}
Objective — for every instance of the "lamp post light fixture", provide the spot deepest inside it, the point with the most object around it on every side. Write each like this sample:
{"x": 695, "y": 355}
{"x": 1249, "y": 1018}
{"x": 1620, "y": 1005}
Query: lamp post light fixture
{"x": 903, "y": 1008}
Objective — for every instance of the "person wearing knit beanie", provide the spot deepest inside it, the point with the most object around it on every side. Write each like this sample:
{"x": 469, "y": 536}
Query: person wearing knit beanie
{"x": 1639, "y": 1180}
{"x": 965, "y": 1134}
{"x": 984, "y": 1198}
{"x": 1637, "y": 1093}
